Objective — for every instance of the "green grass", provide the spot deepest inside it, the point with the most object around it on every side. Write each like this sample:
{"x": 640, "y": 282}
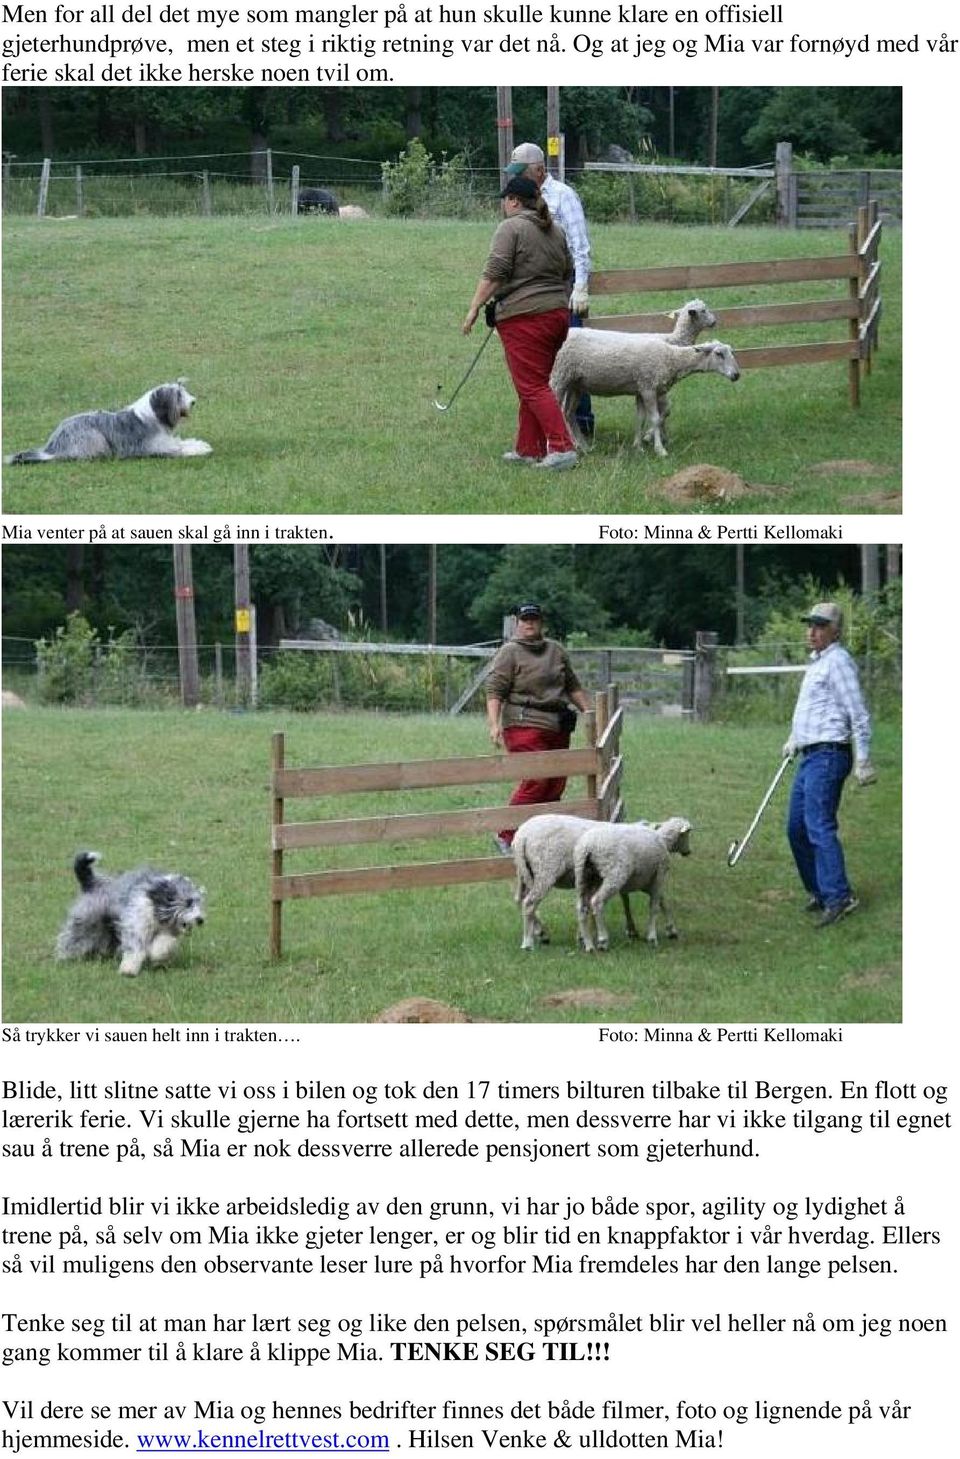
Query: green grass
{"x": 191, "y": 792}
{"x": 316, "y": 349}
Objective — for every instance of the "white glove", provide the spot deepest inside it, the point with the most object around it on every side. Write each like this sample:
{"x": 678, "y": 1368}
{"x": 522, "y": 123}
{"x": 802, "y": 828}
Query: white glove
{"x": 864, "y": 772}
{"x": 580, "y": 302}
{"x": 789, "y": 750}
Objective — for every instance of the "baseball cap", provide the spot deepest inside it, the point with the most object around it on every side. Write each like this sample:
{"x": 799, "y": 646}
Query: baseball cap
{"x": 528, "y": 610}
{"x": 528, "y": 154}
{"x": 824, "y": 613}
{"x": 520, "y": 187}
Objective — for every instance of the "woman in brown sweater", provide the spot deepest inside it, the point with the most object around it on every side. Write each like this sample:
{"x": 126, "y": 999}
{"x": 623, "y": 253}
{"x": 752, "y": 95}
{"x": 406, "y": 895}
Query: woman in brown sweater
{"x": 530, "y": 684}
{"x": 529, "y": 270}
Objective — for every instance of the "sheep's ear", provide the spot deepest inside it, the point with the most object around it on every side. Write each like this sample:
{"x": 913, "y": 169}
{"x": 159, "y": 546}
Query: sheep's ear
{"x": 672, "y": 313}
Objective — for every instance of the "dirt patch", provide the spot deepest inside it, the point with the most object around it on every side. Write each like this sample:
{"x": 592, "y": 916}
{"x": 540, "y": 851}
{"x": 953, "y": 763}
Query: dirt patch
{"x": 712, "y": 485}
{"x": 775, "y": 894}
{"x": 849, "y": 468}
{"x": 585, "y": 998}
{"x": 421, "y": 1010}
{"x": 872, "y": 977}
{"x": 878, "y": 501}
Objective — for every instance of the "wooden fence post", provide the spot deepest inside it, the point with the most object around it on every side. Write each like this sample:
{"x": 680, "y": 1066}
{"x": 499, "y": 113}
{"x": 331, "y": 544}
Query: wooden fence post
{"x": 79, "y": 177}
{"x": 206, "y": 199}
{"x": 276, "y": 904}
{"x": 44, "y": 188}
{"x": 704, "y": 672}
{"x": 784, "y": 171}
{"x": 294, "y": 188}
{"x": 504, "y": 130}
{"x": 269, "y": 180}
{"x": 853, "y": 367}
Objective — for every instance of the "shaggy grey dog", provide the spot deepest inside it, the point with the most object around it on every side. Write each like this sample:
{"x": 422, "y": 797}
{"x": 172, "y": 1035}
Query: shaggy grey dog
{"x": 145, "y": 428}
{"x": 317, "y": 200}
{"x": 140, "y": 914}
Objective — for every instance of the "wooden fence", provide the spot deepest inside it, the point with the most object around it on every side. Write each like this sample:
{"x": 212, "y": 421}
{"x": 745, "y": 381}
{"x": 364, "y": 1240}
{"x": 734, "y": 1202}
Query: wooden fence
{"x": 861, "y": 308}
{"x": 600, "y": 762}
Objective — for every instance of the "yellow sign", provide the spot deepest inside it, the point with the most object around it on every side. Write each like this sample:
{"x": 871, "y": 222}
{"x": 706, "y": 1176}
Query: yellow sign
{"x": 553, "y": 146}
{"x": 243, "y": 620}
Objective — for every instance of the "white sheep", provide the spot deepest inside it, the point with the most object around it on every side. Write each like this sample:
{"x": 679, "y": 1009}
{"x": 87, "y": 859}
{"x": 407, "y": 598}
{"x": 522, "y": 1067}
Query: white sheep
{"x": 646, "y": 366}
{"x": 543, "y": 852}
{"x": 689, "y": 322}
{"x": 632, "y": 857}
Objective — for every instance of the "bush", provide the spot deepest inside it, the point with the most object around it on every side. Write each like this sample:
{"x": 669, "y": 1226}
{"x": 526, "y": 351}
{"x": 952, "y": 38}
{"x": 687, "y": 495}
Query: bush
{"x": 416, "y": 184}
{"x": 406, "y": 182}
{"x": 872, "y": 633}
{"x": 76, "y": 666}
{"x": 312, "y": 681}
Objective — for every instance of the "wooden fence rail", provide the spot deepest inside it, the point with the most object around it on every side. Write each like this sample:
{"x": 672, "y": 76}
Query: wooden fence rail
{"x": 861, "y": 308}
{"x": 599, "y": 762}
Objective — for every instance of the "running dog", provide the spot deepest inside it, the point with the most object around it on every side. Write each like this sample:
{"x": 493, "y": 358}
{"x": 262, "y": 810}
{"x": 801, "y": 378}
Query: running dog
{"x": 145, "y": 428}
{"x": 139, "y": 914}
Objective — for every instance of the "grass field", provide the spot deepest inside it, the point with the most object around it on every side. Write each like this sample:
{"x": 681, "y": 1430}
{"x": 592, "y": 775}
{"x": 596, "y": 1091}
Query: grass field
{"x": 192, "y": 793}
{"x": 316, "y": 347}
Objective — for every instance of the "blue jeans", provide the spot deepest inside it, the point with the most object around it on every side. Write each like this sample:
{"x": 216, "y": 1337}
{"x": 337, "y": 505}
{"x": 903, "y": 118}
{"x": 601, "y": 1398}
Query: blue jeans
{"x": 812, "y": 822}
{"x": 584, "y": 404}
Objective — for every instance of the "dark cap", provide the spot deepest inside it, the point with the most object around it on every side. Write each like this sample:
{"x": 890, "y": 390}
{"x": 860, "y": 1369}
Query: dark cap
{"x": 528, "y": 610}
{"x": 521, "y": 187}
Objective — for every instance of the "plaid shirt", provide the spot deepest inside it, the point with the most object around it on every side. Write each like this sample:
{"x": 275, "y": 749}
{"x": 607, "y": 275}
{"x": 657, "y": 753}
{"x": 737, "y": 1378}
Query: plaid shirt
{"x": 830, "y": 707}
{"x": 566, "y": 209}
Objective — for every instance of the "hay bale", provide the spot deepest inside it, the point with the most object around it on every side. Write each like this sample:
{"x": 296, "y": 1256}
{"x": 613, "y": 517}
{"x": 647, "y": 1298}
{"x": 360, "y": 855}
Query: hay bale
{"x": 420, "y": 1010}
{"x": 12, "y": 701}
{"x": 712, "y": 485}
{"x": 350, "y": 210}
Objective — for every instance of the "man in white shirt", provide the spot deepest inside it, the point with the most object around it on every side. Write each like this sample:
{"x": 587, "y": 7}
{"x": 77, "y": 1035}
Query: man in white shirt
{"x": 566, "y": 210}
{"x": 831, "y": 734}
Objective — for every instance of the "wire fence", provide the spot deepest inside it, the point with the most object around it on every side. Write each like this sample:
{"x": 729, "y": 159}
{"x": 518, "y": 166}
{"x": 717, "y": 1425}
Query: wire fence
{"x": 747, "y": 683}
{"x": 268, "y": 182}
{"x": 203, "y": 184}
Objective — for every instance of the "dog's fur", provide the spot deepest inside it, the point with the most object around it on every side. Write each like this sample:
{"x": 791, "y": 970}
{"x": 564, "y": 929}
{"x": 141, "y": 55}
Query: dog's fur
{"x": 145, "y": 428}
{"x": 140, "y": 914}
{"x": 317, "y": 200}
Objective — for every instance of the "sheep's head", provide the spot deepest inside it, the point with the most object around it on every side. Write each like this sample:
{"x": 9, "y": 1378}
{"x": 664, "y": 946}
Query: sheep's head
{"x": 675, "y": 835}
{"x": 719, "y": 358}
{"x": 692, "y": 320}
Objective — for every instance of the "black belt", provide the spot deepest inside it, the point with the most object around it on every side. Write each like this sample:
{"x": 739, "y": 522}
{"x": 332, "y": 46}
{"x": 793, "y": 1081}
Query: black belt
{"x": 826, "y": 745}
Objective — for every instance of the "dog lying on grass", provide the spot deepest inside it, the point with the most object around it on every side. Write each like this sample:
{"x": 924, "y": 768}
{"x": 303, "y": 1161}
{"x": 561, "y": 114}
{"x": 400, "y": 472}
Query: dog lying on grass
{"x": 144, "y": 428}
{"x": 139, "y": 914}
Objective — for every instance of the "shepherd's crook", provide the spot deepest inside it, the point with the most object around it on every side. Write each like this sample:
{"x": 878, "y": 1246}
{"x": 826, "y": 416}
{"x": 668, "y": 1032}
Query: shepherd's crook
{"x": 466, "y": 377}
{"x": 737, "y": 848}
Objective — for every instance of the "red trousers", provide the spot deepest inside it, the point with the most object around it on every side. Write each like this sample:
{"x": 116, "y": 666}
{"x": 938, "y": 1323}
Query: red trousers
{"x": 530, "y": 344}
{"x": 520, "y": 737}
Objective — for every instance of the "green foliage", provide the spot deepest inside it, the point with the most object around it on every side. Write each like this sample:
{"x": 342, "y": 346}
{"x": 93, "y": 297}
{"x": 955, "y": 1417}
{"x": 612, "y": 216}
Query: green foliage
{"x": 76, "y": 666}
{"x": 406, "y": 182}
{"x": 65, "y": 662}
{"x": 312, "y": 681}
{"x": 872, "y": 632}
{"x": 807, "y": 116}
{"x": 416, "y": 184}
{"x": 655, "y": 197}
{"x": 546, "y": 574}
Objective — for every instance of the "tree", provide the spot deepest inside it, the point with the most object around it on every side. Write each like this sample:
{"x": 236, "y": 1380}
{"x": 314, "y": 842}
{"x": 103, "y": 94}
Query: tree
{"x": 809, "y": 117}
{"x": 546, "y": 575}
